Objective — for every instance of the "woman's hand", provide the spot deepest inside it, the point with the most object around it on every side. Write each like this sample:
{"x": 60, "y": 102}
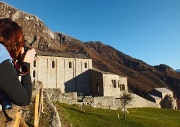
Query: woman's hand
{"x": 30, "y": 56}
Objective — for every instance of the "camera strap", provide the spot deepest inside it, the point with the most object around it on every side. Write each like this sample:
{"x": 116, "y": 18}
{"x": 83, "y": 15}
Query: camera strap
{"x": 8, "y": 119}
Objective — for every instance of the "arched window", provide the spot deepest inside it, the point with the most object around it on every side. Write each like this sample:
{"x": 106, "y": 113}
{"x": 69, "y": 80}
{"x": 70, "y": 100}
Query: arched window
{"x": 34, "y": 74}
{"x": 53, "y": 64}
{"x": 123, "y": 87}
{"x": 85, "y": 65}
{"x": 114, "y": 83}
{"x": 70, "y": 64}
{"x": 34, "y": 63}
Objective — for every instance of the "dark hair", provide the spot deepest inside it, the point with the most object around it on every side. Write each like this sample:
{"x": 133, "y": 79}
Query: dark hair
{"x": 11, "y": 36}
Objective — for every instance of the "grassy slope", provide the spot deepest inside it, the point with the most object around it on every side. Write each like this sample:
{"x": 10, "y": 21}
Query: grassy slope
{"x": 137, "y": 117}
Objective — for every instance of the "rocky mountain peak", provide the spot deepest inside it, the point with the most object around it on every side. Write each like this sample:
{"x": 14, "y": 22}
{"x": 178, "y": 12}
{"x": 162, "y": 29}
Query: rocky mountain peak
{"x": 32, "y": 27}
{"x": 164, "y": 68}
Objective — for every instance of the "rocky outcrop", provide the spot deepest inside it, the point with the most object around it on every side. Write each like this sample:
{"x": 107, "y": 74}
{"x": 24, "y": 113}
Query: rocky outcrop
{"x": 32, "y": 27}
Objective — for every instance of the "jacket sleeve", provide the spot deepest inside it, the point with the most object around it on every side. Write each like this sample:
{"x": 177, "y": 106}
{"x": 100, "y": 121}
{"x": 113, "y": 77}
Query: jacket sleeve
{"x": 18, "y": 92}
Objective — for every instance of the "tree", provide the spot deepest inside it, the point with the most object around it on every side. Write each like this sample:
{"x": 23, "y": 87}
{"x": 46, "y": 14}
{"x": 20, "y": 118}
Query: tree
{"x": 125, "y": 99}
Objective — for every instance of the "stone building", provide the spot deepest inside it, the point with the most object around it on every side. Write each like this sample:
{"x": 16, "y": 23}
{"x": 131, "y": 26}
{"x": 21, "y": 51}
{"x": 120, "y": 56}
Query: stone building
{"x": 163, "y": 97}
{"x": 107, "y": 84}
{"x": 75, "y": 77}
{"x": 67, "y": 72}
{"x": 74, "y": 73}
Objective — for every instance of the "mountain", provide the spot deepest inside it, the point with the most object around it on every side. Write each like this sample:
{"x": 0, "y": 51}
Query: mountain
{"x": 142, "y": 77}
{"x": 32, "y": 27}
{"x": 178, "y": 70}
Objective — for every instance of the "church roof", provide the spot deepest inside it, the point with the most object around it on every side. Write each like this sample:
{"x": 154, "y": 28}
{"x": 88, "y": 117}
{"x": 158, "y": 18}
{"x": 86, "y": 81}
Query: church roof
{"x": 58, "y": 54}
{"x": 103, "y": 72}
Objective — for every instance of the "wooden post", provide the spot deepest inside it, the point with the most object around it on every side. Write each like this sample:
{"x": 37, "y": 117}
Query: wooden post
{"x": 36, "y": 114}
{"x": 40, "y": 101}
{"x": 37, "y": 94}
{"x": 42, "y": 110}
{"x": 17, "y": 119}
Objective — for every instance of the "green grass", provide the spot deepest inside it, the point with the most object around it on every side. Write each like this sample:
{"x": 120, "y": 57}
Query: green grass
{"x": 137, "y": 117}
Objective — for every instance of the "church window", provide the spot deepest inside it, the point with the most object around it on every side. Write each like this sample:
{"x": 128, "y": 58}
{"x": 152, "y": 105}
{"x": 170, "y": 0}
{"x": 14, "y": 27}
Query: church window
{"x": 53, "y": 64}
{"x": 70, "y": 64}
{"x": 123, "y": 87}
{"x": 85, "y": 65}
{"x": 34, "y": 73}
{"x": 114, "y": 83}
{"x": 34, "y": 64}
{"x": 118, "y": 85}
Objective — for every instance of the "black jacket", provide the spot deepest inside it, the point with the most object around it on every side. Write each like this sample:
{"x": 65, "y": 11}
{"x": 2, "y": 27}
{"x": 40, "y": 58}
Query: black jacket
{"x": 18, "y": 92}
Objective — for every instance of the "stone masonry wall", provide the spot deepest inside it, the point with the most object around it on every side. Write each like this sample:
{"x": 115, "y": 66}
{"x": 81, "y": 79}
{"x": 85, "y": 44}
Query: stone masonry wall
{"x": 98, "y": 102}
{"x": 56, "y": 95}
{"x": 141, "y": 102}
{"x": 112, "y": 84}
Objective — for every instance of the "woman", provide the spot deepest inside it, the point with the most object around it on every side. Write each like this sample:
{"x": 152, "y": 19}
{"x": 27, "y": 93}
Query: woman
{"x": 11, "y": 53}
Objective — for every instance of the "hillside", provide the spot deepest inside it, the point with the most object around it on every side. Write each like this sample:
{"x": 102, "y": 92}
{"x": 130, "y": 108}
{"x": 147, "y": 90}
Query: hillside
{"x": 141, "y": 77}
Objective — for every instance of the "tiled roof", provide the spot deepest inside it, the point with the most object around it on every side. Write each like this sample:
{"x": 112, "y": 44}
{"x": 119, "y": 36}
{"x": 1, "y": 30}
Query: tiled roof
{"x": 103, "y": 72}
{"x": 67, "y": 55}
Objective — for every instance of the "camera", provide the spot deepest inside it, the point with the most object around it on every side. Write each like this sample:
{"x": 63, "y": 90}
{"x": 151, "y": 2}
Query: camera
{"x": 29, "y": 46}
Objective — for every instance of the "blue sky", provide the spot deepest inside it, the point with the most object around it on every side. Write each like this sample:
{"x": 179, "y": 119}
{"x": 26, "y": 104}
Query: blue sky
{"x": 148, "y": 30}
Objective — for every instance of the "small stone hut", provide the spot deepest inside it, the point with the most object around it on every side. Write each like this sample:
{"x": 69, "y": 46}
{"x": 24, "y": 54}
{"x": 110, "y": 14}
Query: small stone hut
{"x": 107, "y": 84}
{"x": 163, "y": 97}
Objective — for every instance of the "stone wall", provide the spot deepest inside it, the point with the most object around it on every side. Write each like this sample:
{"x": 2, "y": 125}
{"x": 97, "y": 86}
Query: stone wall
{"x": 110, "y": 102}
{"x": 141, "y": 102}
{"x": 99, "y": 102}
{"x": 103, "y": 102}
{"x": 56, "y": 96}
{"x": 114, "y": 84}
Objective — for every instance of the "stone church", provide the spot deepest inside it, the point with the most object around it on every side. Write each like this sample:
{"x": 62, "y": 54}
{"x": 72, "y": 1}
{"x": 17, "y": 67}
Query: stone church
{"x": 74, "y": 73}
